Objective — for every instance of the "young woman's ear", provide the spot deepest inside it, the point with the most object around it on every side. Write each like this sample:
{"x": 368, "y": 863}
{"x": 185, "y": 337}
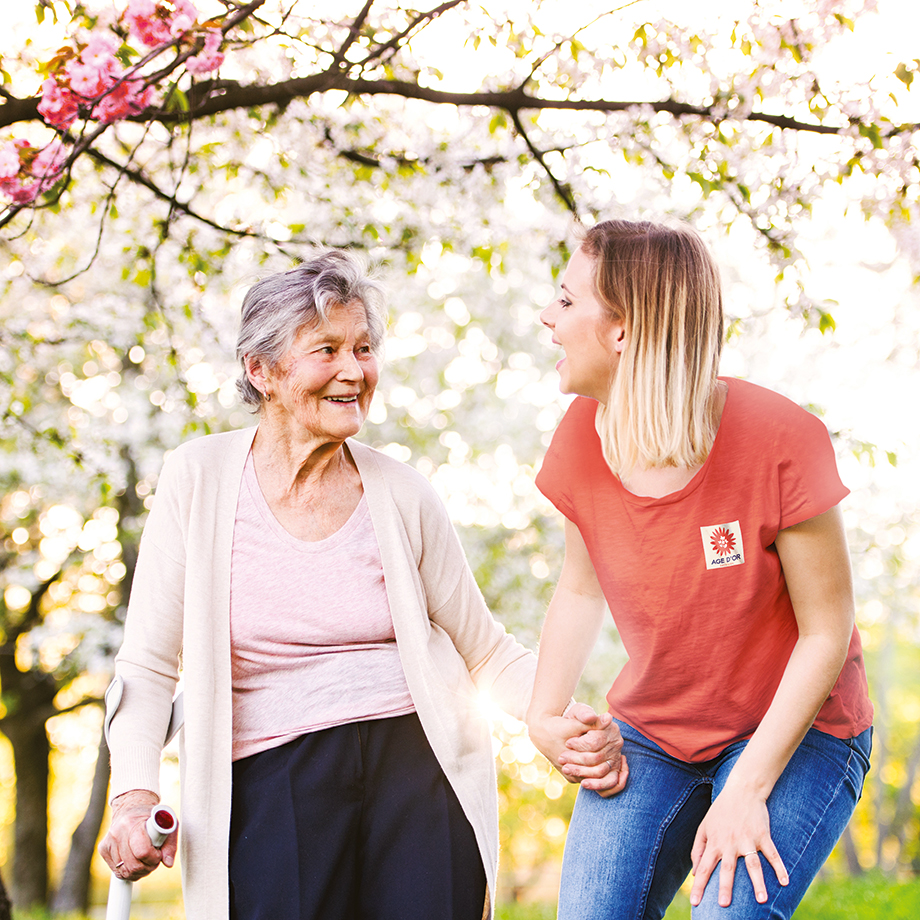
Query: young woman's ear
{"x": 617, "y": 336}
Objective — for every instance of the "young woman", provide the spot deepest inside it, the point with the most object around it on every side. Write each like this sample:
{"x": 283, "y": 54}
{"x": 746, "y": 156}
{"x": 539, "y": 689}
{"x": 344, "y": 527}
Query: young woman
{"x": 704, "y": 513}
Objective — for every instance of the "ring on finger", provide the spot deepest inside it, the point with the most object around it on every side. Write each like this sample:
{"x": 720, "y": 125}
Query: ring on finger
{"x": 119, "y": 865}
{"x": 752, "y": 853}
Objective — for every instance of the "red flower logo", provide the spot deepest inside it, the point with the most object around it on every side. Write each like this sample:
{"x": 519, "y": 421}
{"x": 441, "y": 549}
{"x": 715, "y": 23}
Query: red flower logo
{"x": 723, "y": 541}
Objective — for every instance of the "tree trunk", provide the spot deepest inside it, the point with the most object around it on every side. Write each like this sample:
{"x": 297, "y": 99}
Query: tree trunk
{"x": 6, "y": 909}
{"x": 73, "y": 892}
{"x": 31, "y": 750}
{"x": 904, "y": 808}
{"x": 854, "y": 866}
{"x": 882, "y": 691}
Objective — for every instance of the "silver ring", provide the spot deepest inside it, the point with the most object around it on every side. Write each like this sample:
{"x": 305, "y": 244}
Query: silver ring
{"x": 119, "y": 865}
{"x": 752, "y": 853}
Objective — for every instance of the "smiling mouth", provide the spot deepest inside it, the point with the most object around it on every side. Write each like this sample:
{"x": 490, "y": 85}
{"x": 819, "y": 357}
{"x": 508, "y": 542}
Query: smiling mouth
{"x": 343, "y": 400}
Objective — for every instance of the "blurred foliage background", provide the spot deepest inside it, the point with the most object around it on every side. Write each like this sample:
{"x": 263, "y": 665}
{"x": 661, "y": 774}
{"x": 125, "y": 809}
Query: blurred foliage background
{"x": 456, "y": 146}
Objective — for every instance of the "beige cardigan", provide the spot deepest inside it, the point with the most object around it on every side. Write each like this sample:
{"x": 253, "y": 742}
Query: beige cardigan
{"x": 450, "y": 647}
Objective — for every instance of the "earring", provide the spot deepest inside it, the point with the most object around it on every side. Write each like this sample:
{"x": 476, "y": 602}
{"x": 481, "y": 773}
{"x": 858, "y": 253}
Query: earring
{"x": 268, "y": 397}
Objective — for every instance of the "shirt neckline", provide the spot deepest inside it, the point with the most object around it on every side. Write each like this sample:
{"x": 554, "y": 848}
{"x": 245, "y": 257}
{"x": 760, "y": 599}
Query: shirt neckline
{"x": 700, "y": 475}
{"x": 251, "y": 483}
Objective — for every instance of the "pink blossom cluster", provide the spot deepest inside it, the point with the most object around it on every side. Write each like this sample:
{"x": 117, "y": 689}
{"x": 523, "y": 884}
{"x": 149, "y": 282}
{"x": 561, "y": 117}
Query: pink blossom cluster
{"x": 26, "y": 172}
{"x": 157, "y": 24}
{"x": 95, "y": 82}
{"x": 209, "y": 58}
{"x": 91, "y": 82}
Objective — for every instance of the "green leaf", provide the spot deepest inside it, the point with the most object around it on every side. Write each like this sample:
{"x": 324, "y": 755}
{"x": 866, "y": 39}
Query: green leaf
{"x": 827, "y": 323}
{"x": 497, "y": 121}
{"x": 733, "y": 329}
{"x": 904, "y": 75}
{"x": 177, "y": 101}
{"x": 873, "y": 134}
{"x": 705, "y": 184}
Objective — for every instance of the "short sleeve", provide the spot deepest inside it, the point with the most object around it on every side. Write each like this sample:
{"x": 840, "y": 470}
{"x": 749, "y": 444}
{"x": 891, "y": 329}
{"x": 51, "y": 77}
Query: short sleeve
{"x": 574, "y": 441}
{"x": 808, "y": 479}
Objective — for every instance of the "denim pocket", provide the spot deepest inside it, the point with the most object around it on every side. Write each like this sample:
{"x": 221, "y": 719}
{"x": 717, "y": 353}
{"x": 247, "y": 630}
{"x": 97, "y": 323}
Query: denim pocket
{"x": 861, "y": 748}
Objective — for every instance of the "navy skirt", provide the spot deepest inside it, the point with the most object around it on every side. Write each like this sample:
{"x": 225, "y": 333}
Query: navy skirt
{"x": 356, "y": 822}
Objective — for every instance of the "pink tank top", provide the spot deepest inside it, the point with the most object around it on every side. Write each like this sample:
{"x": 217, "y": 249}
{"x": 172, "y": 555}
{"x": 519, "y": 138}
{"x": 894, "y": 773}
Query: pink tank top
{"x": 312, "y": 639}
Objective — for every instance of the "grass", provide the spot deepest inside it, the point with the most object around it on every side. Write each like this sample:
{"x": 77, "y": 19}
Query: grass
{"x": 871, "y": 897}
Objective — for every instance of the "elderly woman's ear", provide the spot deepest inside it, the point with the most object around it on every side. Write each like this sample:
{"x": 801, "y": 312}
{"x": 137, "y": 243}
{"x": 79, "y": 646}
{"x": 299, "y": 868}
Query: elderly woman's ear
{"x": 257, "y": 373}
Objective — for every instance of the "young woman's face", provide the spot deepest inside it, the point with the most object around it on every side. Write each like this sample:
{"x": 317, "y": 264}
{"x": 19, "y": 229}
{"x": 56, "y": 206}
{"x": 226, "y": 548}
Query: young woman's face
{"x": 325, "y": 383}
{"x": 583, "y": 327}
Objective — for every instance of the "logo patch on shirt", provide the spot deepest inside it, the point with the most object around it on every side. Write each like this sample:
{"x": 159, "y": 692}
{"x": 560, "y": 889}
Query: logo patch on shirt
{"x": 722, "y": 545}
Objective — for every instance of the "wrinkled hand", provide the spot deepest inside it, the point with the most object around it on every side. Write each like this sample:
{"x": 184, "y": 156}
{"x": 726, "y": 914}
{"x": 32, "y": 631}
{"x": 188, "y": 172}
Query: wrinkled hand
{"x": 594, "y": 757}
{"x": 127, "y": 841}
{"x": 585, "y": 747}
{"x": 737, "y": 826}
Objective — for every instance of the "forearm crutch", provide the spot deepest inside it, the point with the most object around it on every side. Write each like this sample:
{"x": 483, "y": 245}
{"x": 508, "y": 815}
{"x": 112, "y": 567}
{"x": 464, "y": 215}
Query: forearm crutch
{"x": 162, "y": 821}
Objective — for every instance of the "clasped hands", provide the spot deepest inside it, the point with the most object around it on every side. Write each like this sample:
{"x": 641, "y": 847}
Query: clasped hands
{"x": 585, "y": 747}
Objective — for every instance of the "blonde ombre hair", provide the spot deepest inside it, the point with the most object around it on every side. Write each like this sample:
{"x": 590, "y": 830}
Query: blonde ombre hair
{"x": 662, "y": 283}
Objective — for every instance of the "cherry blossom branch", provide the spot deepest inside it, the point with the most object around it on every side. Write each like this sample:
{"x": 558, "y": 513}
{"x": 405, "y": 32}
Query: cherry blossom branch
{"x": 217, "y": 96}
{"x": 562, "y": 190}
{"x": 353, "y": 32}
{"x": 213, "y": 97}
{"x": 138, "y": 177}
{"x": 393, "y": 43}
{"x": 89, "y": 81}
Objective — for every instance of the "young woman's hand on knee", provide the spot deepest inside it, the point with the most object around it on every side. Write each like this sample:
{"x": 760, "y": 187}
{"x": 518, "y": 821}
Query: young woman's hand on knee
{"x": 737, "y": 826}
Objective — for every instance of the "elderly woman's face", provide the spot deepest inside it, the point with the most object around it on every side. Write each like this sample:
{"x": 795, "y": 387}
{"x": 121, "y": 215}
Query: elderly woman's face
{"x": 325, "y": 383}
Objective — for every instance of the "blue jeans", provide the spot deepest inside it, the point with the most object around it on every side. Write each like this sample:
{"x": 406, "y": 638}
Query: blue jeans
{"x": 626, "y": 856}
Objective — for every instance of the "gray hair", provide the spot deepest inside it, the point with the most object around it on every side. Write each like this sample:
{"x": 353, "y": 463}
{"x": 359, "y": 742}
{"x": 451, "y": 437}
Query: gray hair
{"x": 278, "y": 307}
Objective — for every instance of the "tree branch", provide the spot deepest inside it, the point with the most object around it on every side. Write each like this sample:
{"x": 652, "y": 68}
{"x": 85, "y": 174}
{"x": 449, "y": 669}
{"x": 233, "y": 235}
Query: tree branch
{"x": 51, "y": 711}
{"x": 135, "y": 175}
{"x": 562, "y": 190}
{"x": 352, "y": 37}
{"x": 393, "y": 43}
{"x": 363, "y": 158}
{"x": 30, "y": 619}
{"x": 213, "y": 97}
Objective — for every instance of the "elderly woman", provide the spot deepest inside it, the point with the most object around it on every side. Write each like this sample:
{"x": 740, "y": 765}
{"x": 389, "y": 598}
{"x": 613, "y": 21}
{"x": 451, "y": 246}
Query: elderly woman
{"x": 333, "y": 647}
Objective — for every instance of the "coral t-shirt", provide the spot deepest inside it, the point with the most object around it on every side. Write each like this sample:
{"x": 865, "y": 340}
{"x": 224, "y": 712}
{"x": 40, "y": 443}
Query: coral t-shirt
{"x": 693, "y": 579}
